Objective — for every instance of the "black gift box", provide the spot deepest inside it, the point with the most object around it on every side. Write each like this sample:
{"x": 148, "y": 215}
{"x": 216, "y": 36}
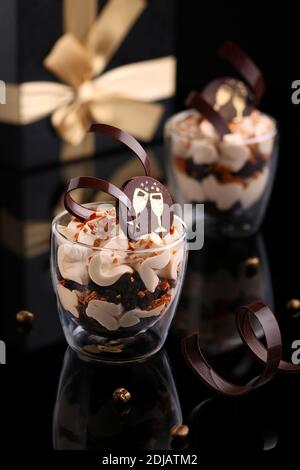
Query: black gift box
{"x": 29, "y": 29}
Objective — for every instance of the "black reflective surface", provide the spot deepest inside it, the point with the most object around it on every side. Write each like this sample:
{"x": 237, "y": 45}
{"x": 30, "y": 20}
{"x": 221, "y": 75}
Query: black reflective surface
{"x": 45, "y": 391}
{"x": 52, "y": 399}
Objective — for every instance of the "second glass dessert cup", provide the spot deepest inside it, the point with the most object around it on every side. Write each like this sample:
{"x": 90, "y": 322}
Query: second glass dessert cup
{"x": 233, "y": 176}
{"x": 116, "y": 302}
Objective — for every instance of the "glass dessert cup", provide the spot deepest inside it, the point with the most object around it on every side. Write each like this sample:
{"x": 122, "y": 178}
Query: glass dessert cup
{"x": 233, "y": 176}
{"x": 116, "y": 302}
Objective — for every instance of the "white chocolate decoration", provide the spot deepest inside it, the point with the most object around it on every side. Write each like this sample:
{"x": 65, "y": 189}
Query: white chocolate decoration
{"x": 68, "y": 299}
{"x": 72, "y": 262}
{"x": 203, "y": 151}
{"x": 234, "y": 153}
{"x": 147, "y": 269}
{"x": 105, "y": 273}
{"x": 105, "y": 313}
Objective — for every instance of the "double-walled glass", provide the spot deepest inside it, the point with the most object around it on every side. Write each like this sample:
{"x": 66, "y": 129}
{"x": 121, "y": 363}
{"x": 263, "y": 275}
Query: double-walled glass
{"x": 233, "y": 176}
{"x": 122, "y": 320}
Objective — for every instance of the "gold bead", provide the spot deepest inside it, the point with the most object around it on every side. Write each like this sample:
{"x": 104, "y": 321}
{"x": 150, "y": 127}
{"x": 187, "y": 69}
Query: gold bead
{"x": 23, "y": 316}
{"x": 251, "y": 266}
{"x": 252, "y": 262}
{"x": 121, "y": 395}
{"x": 293, "y": 304}
{"x": 180, "y": 430}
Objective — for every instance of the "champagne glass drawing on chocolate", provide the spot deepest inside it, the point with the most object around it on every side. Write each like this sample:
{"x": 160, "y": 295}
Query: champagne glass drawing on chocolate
{"x": 157, "y": 205}
{"x": 239, "y": 104}
{"x": 223, "y": 96}
{"x": 140, "y": 199}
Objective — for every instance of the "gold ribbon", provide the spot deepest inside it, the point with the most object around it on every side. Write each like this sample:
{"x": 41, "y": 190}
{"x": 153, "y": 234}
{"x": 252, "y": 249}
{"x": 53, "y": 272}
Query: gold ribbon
{"x": 121, "y": 97}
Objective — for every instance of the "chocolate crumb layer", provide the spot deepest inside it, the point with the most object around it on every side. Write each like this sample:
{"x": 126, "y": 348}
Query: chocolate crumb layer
{"x": 254, "y": 166}
{"x": 129, "y": 291}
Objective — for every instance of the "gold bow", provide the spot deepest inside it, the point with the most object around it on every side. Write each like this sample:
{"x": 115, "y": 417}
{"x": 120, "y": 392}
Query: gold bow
{"x": 120, "y": 97}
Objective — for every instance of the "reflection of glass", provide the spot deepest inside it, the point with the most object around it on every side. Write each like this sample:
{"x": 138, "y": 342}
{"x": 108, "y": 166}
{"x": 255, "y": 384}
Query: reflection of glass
{"x": 157, "y": 205}
{"x": 87, "y": 418}
{"x": 140, "y": 199}
{"x": 217, "y": 282}
{"x": 223, "y": 96}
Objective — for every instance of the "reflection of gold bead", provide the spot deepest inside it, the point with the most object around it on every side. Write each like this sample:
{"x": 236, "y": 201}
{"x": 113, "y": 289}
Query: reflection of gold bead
{"x": 252, "y": 262}
{"x": 23, "y": 316}
{"x": 121, "y": 395}
{"x": 293, "y": 304}
{"x": 251, "y": 266}
{"x": 180, "y": 430}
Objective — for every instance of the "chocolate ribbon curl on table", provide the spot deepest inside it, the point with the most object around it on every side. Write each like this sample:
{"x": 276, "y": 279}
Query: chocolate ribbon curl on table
{"x": 269, "y": 356}
{"x": 245, "y": 66}
{"x": 195, "y": 100}
{"x": 122, "y": 96}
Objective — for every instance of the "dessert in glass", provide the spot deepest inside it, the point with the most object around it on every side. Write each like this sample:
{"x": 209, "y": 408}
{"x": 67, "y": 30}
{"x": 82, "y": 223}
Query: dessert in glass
{"x": 231, "y": 174}
{"x": 116, "y": 296}
{"x": 223, "y": 150}
{"x": 117, "y": 268}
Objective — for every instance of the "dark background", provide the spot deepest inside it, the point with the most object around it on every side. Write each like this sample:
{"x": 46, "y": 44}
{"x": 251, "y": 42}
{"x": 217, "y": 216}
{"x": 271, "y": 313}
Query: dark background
{"x": 272, "y": 38}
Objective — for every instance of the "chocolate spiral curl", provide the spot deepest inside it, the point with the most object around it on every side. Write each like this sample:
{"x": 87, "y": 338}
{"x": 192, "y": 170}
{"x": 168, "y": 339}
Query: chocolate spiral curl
{"x": 89, "y": 182}
{"x": 269, "y": 356}
{"x": 195, "y": 100}
{"x": 258, "y": 349}
{"x": 245, "y": 66}
{"x": 144, "y": 202}
{"x": 126, "y": 139}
